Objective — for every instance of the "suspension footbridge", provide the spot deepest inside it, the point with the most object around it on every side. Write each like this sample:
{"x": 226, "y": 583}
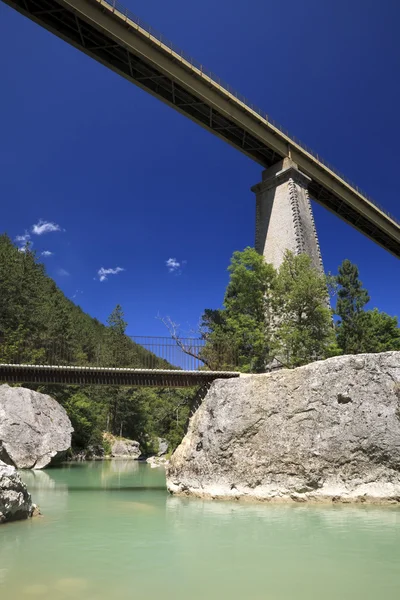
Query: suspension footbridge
{"x": 75, "y": 375}
{"x": 134, "y": 361}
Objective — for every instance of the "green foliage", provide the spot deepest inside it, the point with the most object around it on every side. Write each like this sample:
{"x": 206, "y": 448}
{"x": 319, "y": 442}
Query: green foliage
{"x": 303, "y": 326}
{"x": 160, "y": 412}
{"x": 106, "y": 445}
{"x": 85, "y": 419}
{"x": 359, "y": 330}
{"x": 241, "y": 331}
{"x": 352, "y": 298}
{"x": 380, "y": 332}
{"x": 270, "y": 315}
{"x": 284, "y": 316}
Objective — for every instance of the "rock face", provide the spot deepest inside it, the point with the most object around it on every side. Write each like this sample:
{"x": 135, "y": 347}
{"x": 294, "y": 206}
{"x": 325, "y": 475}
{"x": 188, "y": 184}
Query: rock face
{"x": 95, "y": 452}
{"x": 163, "y": 446}
{"x": 327, "y": 431}
{"x": 34, "y": 428}
{"x": 15, "y": 501}
{"x": 125, "y": 449}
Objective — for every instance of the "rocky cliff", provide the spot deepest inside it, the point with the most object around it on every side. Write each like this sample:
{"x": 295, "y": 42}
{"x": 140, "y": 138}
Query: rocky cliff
{"x": 329, "y": 431}
{"x": 34, "y": 428}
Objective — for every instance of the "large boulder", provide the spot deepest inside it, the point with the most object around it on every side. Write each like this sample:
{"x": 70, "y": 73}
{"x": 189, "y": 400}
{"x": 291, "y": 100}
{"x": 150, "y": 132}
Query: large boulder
{"x": 124, "y": 448}
{"x": 34, "y": 428}
{"x": 15, "y": 501}
{"x": 327, "y": 431}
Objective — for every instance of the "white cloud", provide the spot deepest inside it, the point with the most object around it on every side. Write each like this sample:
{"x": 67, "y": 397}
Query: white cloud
{"x": 47, "y": 253}
{"x": 62, "y": 273}
{"x": 22, "y": 240}
{"x": 104, "y": 273}
{"x": 42, "y": 227}
{"x": 77, "y": 292}
{"x": 175, "y": 266}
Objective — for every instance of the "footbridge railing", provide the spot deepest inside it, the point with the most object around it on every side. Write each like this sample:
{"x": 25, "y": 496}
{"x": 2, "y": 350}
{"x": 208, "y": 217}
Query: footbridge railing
{"x": 116, "y": 360}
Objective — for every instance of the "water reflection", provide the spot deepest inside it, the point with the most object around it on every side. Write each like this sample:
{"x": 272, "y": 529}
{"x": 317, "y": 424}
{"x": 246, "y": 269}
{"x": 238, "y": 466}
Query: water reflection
{"x": 330, "y": 516}
{"x": 41, "y": 483}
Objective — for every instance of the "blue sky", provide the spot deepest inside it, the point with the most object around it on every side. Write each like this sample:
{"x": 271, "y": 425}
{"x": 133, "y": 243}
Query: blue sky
{"x": 130, "y": 183}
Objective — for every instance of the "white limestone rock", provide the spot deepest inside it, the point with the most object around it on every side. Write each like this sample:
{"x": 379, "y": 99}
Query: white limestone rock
{"x": 329, "y": 431}
{"x": 34, "y": 428}
{"x": 15, "y": 500}
{"x": 125, "y": 448}
{"x": 163, "y": 446}
{"x": 157, "y": 461}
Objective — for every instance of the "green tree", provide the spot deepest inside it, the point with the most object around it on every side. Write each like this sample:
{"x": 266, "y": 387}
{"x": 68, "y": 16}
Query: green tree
{"x": 352, "y": 298}
{"x": 85, "y": 419}
{"x": 116, "y": 321}
{"x": 303, "y": 323}
{"x": 243, "y": 327}
{"x": 119, "y": 352}
{"x": 359, "y": 330}
{"x": 380, "y": 332}
{"x": 61, "y": 345}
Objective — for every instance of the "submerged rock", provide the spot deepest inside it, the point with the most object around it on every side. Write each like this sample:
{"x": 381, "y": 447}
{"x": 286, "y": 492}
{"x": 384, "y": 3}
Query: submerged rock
{"x": 124, "y": 448}
{"x": 34, "y": 428}
{"x": 327, "y": 431}
{"x": 15, "y": 500}
{"x": 157, "y": 461}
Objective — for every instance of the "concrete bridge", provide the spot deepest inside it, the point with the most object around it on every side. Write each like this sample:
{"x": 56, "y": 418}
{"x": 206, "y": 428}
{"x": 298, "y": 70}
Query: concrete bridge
{"x": 109, "y": 33}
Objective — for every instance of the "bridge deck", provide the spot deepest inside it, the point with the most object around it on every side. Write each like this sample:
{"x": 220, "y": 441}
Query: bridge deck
{"x": 106, "y": 31}
{"x": 74, "y": 375}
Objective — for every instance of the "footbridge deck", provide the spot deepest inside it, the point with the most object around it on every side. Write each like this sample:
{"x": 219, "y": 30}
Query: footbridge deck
{"x": 74, "y": 375}
{"x": 109, "y": 33}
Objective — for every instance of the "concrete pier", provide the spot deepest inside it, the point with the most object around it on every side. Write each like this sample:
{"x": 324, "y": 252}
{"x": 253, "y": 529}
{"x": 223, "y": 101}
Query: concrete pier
{"x": 284, "y": 218}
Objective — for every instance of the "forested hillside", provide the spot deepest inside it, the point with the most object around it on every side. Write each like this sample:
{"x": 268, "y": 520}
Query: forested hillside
{"x": 38, "y": 324}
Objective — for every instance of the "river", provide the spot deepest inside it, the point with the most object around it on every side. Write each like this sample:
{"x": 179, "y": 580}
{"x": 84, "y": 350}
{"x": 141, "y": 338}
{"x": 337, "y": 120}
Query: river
{"x": 110, "y": 531}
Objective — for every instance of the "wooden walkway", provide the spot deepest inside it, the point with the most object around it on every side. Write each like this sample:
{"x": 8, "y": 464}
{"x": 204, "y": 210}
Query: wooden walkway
{"x": 74, "y": 375}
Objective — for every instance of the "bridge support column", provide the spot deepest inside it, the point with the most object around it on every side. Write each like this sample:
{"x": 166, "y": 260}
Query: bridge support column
{"x": 284, "y": 218}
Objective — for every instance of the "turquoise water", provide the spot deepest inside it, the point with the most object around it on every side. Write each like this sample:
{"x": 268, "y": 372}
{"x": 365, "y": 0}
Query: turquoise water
{"x": 110, "y": 531}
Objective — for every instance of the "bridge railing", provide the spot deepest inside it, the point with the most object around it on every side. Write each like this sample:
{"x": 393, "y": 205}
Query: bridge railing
{"x": 118, "y": 7}
{"x": 139, "y": 352}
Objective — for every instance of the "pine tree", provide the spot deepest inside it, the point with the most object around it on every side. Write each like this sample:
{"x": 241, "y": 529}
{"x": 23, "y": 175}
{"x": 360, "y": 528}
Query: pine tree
{"x": 116, "y": 321}
{"x": 117, "y": 342}
{"x": 117, "y": 355}
{"x": 352, "y": 298}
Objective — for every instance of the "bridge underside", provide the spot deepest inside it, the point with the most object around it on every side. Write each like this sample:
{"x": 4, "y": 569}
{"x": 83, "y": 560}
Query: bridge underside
{"x": 95, "y": 29}
{"x": 65, "y": 375}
